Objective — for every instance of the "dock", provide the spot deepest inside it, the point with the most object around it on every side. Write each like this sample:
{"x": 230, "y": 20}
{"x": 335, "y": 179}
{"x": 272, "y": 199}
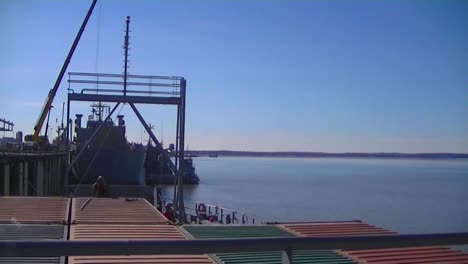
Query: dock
{"x": 32, "y": 173}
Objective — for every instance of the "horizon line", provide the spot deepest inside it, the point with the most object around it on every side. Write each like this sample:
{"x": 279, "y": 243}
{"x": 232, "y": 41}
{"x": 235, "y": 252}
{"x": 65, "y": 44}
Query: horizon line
{"x": 333, "y": 153}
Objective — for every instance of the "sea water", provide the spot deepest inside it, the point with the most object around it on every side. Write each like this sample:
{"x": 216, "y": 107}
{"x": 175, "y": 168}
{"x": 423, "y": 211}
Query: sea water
{"x": 404, "y": 195}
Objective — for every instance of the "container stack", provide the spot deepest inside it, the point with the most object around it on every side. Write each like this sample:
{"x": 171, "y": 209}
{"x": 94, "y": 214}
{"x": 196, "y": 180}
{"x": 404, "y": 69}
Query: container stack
{"x": 407, "y": 255}
{"x": 33, "y": 218}
{"x": 124, "y": 219}
{"x": 258, "y": 231}
{"x": 114, "y": 211}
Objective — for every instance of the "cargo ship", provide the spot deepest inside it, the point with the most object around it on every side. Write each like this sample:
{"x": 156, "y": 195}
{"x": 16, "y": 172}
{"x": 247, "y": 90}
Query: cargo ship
{"x": 110, "y": 155}
{"x": 118, "y": 161}
{"x": 157, "y": 171}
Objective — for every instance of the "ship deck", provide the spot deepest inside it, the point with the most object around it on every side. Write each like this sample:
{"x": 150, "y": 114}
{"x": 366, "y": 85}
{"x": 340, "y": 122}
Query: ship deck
{"x": 124, "y": 219}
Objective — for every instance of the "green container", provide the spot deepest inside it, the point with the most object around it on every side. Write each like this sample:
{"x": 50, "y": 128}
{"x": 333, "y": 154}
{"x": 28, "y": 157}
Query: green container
{"x": 207, "y": 231}
{"x": 300, "y": 256}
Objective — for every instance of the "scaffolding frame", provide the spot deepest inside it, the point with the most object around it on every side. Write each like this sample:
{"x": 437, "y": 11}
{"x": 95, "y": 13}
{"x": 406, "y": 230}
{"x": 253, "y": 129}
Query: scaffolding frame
{"x": 6, "y": 125}
{"x": 120, "y": 94}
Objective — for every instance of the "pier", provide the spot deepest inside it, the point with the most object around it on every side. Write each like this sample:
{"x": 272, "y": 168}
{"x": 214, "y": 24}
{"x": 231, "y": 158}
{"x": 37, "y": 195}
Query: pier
{"x": 32, "y": 173}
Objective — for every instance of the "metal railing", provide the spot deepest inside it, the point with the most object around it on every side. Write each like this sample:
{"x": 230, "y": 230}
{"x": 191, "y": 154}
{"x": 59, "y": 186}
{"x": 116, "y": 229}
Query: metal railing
{"x": 164, "y": 85}
{"x": 225, "y": 215}
{"x": 219, "y": 214}
{"x": 104, "y": 91}
{"x": 213, "y": 246}
{"x": 6, "y": 125}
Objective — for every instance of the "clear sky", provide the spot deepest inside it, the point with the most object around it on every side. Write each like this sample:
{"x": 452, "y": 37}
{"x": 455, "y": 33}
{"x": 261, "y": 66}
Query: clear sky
{"x": 334, "y": 76}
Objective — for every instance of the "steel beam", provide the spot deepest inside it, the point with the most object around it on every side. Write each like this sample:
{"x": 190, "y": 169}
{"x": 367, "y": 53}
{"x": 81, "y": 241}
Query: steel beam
{"x": 153, "y": 137}
{"x": 127, "y": 84}
{"x": 122, "y": 99}
{"x": 130, "y": 76}
{"x": 42, "y": 248}
{"x": 32, "y": 155}
{"x": 95, "y": 91}
{"x": 6, "y": 179}
{"x": 67, "y": 150}
{"x": 176, "y": 156}
{"x": 180, "y": 181}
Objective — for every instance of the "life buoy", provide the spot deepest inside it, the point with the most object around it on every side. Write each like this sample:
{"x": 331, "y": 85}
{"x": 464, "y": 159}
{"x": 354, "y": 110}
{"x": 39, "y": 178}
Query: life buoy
{"x": 202, "y": 209}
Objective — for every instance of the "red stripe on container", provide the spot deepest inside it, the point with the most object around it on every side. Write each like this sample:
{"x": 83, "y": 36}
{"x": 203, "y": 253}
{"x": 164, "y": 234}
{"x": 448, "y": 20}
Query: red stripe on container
{"x": 115, "y": 211}
{"x": 410, "y": 255}
{"x": 335, "y": 229}
{"x": 27, "y": 209}
{"x": 133, "y": 232}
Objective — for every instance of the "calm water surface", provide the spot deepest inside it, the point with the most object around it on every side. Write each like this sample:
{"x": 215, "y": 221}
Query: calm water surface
{"x": 403, "y": 195}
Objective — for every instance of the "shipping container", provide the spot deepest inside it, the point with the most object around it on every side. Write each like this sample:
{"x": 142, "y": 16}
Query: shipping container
{"x": 298, "y": 257}
{"x": 115, "y": 211}
{"x": 137, "y": 232}
{"x": 351, "y": 228}
{"x": 132, "y": 232}
{"x": 42, "y": 210}
{"x": 407, "y": 255}
{"x": 235, "y": 231}
{"x": 411, "y": 255}
{"x": 257, "y": 231}
{"x": 32, "y": 232}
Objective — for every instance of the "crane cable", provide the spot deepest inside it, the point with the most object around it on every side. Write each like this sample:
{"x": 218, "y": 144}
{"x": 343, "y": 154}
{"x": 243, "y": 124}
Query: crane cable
{"x": 98, "y": 41}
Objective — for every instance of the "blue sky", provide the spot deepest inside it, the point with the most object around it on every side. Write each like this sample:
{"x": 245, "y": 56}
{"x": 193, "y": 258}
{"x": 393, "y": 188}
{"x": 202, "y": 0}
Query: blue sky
{"x": 335, "y": 76}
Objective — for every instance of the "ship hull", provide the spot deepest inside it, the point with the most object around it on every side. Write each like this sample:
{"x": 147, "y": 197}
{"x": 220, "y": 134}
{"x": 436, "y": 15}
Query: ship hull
{"x": 116, "y": 166}
{"x": 169, "y": 179}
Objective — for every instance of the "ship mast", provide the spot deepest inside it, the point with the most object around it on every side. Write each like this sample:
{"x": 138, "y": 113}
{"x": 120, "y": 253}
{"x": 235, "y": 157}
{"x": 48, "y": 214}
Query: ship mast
{"x": 126, "y": 43}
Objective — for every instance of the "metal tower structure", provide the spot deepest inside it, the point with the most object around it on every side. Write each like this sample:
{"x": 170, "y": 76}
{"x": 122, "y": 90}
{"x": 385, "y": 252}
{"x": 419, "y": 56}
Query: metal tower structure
{"x": 128, "y": 89}
{"x": 6, "y": 125}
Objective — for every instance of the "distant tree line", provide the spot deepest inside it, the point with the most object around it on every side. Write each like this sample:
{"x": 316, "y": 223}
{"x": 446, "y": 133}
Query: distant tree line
{"x": 233, "y": 153}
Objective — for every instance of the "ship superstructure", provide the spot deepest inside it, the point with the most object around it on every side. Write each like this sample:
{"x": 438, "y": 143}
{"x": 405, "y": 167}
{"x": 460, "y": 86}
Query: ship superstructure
{"x": 110, "y": 155}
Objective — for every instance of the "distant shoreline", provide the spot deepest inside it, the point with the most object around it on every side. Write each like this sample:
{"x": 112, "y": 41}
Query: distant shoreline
{"x": 300, "y": 154}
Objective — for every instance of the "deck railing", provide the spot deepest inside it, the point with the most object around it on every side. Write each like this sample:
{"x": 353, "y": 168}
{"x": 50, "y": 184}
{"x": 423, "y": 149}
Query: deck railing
{"x": 225, "y": 215}
{"x": 222, "y": 215}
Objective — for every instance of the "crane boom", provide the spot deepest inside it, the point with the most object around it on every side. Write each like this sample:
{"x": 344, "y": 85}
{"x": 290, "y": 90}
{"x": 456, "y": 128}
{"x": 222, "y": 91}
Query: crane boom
{"x": 53, "y": 91}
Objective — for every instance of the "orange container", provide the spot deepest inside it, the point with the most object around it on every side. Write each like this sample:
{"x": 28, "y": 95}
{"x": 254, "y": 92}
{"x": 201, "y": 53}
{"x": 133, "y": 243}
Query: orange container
{"x": 132, "y": 232}
{"x": 34, "y": 210}
{"x": 115, "y": 211}
{"x": 352, "y": 228}
{"x": 408, "y": 255}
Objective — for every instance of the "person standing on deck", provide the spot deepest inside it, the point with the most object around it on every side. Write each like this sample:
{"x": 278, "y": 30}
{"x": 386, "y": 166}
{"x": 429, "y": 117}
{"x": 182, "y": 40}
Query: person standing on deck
{"x": 99, "y": 188}
{"x": 169, "y": 213}
{"x": 159, "y": 201}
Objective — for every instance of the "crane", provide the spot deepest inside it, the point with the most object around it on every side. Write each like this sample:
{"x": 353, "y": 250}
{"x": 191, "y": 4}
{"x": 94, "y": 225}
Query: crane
{"x": 50, "y": 97}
